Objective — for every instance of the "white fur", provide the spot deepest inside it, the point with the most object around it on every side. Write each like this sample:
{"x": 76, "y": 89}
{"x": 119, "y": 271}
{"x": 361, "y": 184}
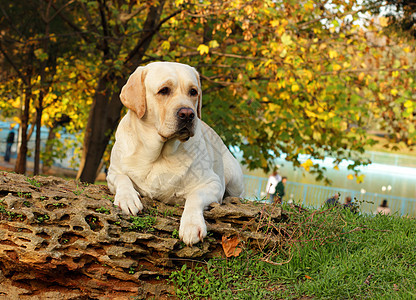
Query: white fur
{"x": 149, "y": 160}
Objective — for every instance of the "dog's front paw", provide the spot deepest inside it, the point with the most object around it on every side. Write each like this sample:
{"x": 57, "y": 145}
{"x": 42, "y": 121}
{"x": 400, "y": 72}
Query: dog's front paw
{"x": 129, "y": 202}
{"x": 192, "y": 228}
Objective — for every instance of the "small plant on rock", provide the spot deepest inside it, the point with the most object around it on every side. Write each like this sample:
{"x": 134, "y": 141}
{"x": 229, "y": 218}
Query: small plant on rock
{"x": 144, "y": 223}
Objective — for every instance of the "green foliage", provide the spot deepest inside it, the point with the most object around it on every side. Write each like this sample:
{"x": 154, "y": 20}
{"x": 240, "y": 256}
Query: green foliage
{"x": 175, "y": 234}
{"x": 24, "y": 195}
{"x": 325, "y": 254}
{"x": 398, "y": 15}
{"x": 142, "y": 223}
{"x": 132, "y": 270}
{"x": 279, "y": 77}
{"x": 34, "y": 182}
{"x": 108, "y": 197}
{"x": 78, "y": 191}
{"x": 42, "y": 218}
{"x": 103, "y": 210}
{"x": 9, "y": 214}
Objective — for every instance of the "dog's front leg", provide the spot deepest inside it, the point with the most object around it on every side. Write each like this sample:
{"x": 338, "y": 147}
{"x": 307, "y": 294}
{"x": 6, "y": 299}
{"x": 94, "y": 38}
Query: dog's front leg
{"x": 192, "y": 228}
{"x": 126, "y": 196}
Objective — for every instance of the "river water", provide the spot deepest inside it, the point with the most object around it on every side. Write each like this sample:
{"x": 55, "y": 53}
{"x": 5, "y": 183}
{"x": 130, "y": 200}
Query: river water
{"x": 389, "y": 174}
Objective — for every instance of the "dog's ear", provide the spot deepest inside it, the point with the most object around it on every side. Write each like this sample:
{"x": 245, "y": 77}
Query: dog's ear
{"x": 133, "y": 93}
{"x": 199, "y": 107}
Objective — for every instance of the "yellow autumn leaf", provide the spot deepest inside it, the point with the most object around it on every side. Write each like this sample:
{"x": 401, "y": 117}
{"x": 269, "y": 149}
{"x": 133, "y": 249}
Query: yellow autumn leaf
{"x": 275, "y": 23}
{"x": 295, "y": 88}
{"x": 213, "y": 44}
{"x": 350, "y": 176}
{"x": 165, "y": 45}
{"x": 311, "y": 114}
{"x": 284, "y": 96}
{"x": 203, "y": 49}
{"x": 361, "y": 76}
{"x": 308, "y": 6}
{"x": 384, "y": 22}
{"x": 316, "y": 135}
{"x": 394, "y": 92}
{"x": 333, "y": 54}
{"x": 336, "y": 67}
{"x": 286, "y": 39}
{"x": 249, "y": 66}
{"x": 360, "y": 178}
{"x": 336, "y": 167}
{"x": 307, "y": 164}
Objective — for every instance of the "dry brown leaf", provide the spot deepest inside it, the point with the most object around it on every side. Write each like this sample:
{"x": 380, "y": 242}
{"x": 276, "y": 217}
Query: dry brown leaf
{"x": 230, "y": 246}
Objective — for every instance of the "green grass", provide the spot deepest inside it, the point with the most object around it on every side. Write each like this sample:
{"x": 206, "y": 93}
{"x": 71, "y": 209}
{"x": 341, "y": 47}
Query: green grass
{"x": 325, "y": 254}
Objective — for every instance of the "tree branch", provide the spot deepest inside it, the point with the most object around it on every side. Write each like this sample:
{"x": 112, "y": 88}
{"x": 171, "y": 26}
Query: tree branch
{"x": 14, "y": 66}
{"x": 150, "y": 28}
{"x": 77, "y": 30}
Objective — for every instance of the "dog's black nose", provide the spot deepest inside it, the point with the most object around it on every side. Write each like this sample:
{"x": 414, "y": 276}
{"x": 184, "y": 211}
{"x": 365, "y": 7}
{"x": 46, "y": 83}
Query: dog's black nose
{"x": 186, "y": 114}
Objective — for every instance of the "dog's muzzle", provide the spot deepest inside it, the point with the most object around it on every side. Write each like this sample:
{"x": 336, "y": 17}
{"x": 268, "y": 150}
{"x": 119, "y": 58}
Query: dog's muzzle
{"x": 185, "y": 118}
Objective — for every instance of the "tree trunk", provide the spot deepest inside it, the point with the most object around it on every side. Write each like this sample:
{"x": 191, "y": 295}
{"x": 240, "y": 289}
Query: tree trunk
{"x": 39, "y": 111}
{"x": 47, "y": 162}
{"x": 103, "y": 119}
{"x": 105, "y": 114}
{"x": 20, "y": 166}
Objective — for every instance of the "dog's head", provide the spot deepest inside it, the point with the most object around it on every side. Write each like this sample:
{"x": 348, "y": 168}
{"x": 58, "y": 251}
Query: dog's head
{"x": 167, "y": 96}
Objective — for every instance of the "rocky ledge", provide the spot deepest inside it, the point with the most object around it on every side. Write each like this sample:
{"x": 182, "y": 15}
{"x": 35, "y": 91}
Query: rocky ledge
{"x": 61, "y": 239}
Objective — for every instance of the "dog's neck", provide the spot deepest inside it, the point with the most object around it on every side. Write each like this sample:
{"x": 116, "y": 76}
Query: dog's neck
{"x": 147, "y": 147}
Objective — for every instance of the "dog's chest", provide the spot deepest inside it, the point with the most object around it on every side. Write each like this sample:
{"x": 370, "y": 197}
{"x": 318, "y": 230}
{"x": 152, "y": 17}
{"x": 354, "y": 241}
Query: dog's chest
{"x": 163, "y": 179}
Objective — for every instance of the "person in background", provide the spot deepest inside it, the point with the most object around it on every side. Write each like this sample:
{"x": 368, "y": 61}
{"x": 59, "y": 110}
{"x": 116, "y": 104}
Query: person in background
{"x": 383, "y": 209}
{"x": 333, "y": 201}
{"x": 348, "y": 202}
{"x": 271, "y": 185}
{"x": 9, "y": 144}
{"x": 349, "y": 205}
{"x": 280, "y": 189}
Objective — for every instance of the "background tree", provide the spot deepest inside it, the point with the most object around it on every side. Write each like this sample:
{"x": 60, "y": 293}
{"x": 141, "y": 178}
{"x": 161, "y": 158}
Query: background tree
{"x": 279, "y": 77}
{"x": 400, "y": 14}
{"x": 122, "y": 31}
{"x": 32, "y": 39}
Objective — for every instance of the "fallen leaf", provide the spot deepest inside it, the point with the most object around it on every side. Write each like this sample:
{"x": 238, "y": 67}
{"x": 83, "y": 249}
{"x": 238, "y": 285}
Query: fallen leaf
{"x": 230, "y": 246}
{"x": 308, "y": 277}
{"x": 367, "y": 281}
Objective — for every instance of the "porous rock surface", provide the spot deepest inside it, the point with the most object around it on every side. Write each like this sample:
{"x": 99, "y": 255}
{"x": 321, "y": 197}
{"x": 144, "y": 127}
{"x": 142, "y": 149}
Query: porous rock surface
{"x": 60, "y": 239}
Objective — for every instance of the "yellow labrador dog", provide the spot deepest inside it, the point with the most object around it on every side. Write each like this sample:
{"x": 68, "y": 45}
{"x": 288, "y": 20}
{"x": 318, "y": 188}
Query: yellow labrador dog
{"x": 163, "y": 150}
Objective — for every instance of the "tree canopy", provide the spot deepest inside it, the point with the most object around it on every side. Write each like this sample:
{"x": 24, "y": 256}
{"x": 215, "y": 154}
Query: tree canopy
{"x": 279, "y": 77}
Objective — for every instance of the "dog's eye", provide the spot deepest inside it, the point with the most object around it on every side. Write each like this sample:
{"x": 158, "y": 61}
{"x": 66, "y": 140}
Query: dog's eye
{"x": 193, "y": 92}
{"x": 164, "y": 91}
